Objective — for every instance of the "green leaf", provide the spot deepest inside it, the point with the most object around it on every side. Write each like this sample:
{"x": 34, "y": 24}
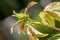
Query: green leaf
{"x": 34, "y": 12}
{"x": 45, "y": 29}
{"x": 41, "y": 35}
{"x": 57, "y": 24}
{"x": 31, "y": 35}
{"x": 52, "y": 8}
{"x": 54, "y": 15}
{"x": 55, "y": 37}
{"x": 42, "y": 15}
{"x": 37, "y": 33}
{"x": 50, "y": 19}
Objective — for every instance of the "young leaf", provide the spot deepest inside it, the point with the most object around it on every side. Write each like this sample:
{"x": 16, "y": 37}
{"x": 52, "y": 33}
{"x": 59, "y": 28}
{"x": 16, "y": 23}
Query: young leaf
{"x": 42, "y": 16}
{"x": 37, "y": 33}
{"x": 21, "y": 15}
{"x": 49, "y": 19}
{"x": 51, "y": 10}
{"x": 54, "y": 15}
{"x": 52, "y": 6}
{"x": 31, "y": 35}
{"x": 36, "y": 23}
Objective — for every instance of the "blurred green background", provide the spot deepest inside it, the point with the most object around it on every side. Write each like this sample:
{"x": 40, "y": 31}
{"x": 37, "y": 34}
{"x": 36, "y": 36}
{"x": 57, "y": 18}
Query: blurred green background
{"x": 7, "y": 6}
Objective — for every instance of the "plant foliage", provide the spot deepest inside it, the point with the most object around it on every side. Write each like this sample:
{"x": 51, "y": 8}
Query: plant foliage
{"x": 33, "y": 28}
